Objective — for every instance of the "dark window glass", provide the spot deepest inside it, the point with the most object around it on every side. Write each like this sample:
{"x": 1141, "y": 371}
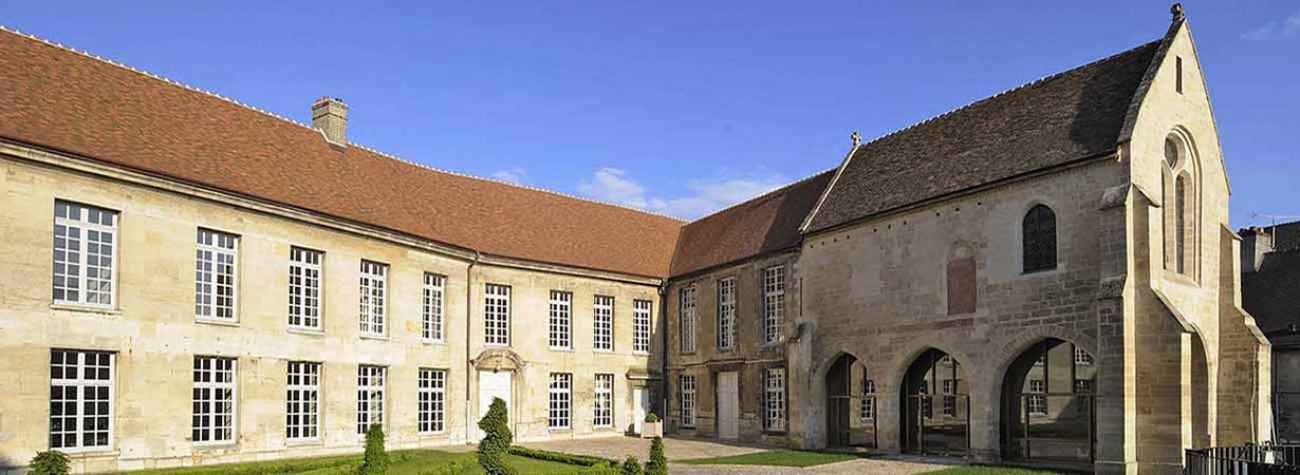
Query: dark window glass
{"x": 1039, "y": 230}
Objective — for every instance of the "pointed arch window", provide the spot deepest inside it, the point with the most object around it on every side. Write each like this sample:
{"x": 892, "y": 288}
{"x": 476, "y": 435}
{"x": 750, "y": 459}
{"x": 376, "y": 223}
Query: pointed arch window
{"x": 1039, "y": 239}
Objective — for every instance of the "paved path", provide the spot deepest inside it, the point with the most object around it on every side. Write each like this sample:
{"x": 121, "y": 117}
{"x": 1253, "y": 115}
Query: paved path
{"x": 620, "y": 447}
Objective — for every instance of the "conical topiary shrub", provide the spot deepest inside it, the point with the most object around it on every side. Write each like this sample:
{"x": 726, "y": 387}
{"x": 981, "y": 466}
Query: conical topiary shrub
{"x": 658, "y": 464}
{"x": 375, "y": 461}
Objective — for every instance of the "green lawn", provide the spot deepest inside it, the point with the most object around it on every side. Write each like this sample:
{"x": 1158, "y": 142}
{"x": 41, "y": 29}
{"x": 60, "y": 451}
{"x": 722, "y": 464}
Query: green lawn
{"x": 982, "y": 470}
{"x": 780, "y": 458}
{"x": 406, "y": 462}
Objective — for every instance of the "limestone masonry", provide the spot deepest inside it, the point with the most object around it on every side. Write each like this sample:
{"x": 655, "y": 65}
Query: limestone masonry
{"x": 1046, "y": 276}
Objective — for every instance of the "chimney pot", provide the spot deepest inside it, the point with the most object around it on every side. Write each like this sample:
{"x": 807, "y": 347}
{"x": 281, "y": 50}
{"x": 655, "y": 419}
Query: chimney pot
{"x": 330, "y": 116}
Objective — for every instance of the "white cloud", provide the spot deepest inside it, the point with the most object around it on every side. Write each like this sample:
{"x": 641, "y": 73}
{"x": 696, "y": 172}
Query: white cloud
{"x": 1285, "y": 27}
{"x": 514, "y": 175}
{"x": 704, "y": 196}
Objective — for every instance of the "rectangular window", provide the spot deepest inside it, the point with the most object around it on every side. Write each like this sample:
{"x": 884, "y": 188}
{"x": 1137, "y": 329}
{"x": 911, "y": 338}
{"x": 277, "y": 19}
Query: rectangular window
{"x": 496, "y": 315}
{"x": 85, "y": 243}
{"x": 215, "y": 274}
{"x": 1036, "y": 403}
{"x": 81, "y": 400}
{"x": 302, "y": 414}
{"x": 214, "y": 400}
{"x": 686, "y": 384}
{"x": 603, "y": 318}
{"x": 305, "y": 287}
{"x": 773, "y": 303}
{"x": 561, "y": 401}
{"x": 774, "y": 399}
{"x": 432, "y": 399}
{"x": 686, "y": 312}
{"x": 604, "y": 416}
{"x": 927, "y": 401}
{"x": 1081, "y": 357}
{"x": 868, "y": 409}
{"x": 641, "y": 326}
{"x": 949, "y": 401}
{"x": 370, "y": 396}
{"x": 431, "y": 317}
{"x": 561, "y": 333}
{"x": 726, "y": 313}
{"x": 374, "y": 297}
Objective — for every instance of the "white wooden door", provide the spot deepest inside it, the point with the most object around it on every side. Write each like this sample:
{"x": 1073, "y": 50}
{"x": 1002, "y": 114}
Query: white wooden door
{"x": 729, "y": 405}
{"x": 492, "y": 385}
{"x": 641, "y": 405}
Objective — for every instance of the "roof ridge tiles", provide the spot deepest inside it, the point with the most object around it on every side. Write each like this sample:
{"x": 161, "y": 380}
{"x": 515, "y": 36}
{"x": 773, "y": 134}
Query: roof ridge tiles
{"x": 303, "y": 125}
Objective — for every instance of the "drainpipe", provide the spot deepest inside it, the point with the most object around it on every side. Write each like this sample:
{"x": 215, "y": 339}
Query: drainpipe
{"x": 663, "y": 362}
{"x": 469, "y": 368}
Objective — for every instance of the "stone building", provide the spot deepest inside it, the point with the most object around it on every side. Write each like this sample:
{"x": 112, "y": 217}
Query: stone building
{"x": 1045, "y": 276}
{"x": 1270, "y": 287}
{"x": 189, "y": 280}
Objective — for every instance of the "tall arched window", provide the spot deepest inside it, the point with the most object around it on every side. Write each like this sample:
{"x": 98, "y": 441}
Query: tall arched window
{"x": 1179, "y": 182}
{"x": 1039, "y": 239}
{"x": 1180, "y": 224}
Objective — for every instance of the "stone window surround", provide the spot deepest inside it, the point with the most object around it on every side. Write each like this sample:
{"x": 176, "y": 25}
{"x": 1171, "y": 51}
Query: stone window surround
{"x": 86, "y": 225}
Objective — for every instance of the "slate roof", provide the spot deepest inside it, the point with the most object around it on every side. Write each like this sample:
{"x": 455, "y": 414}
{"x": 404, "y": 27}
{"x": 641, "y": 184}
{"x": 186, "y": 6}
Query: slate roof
{"x": 59, "y": 99}
{"x": 759, "y": 226}
{"x": 1074, "y": 115}
{"x": 1272, "y": 295}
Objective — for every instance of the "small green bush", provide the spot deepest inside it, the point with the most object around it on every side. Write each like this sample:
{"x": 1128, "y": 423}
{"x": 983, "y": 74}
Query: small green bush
{"x": 631, "y": 466}
{"x": 651, "y": 417}
{"x": 496, "y": 441}
{"x": 49, "y": 463}
{"x": 561, "y": 457}
{"x": 604, "y": 468}
{"x": 658, "y": 464}
{"x": 375, "y": 461}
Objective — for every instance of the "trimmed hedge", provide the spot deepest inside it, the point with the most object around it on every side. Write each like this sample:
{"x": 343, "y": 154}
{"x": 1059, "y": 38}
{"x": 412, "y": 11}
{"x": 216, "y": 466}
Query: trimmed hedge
{"x": 561, "y": 457}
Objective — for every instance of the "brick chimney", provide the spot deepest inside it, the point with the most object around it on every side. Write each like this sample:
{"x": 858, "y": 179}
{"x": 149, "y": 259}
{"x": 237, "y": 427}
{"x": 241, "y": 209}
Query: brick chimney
{"x": 1256, "y": 242}
{"x": 330, "y": 116}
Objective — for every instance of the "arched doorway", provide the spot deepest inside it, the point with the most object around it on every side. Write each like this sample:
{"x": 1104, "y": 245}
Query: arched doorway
{"x": 936, "y": 406}
{"x": 850, "y": 404}
{"x": 1200, "y": 387}
{"x": 1048, "y": 408}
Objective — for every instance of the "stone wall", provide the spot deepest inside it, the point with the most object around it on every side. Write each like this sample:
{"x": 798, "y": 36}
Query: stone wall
{"x": 154, "y": 333}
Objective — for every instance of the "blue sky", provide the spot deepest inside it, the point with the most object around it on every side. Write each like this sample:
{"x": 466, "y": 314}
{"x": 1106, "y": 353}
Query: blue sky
{"x": 682, "y": 107}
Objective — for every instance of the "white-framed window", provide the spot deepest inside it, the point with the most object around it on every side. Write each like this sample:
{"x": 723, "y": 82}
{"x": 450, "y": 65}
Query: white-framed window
{"x": 431, "y": 316}
{"x": 214, "y": 400}
{"x": 432, "y": 400}
{"x": 686, "y": 313}
{"x": 868, "y": 410}
{"x": 641, "y": 326}
{"x": 604, "y": 407}
{"x": 302, "y": 410}
{"x": 774, "y": 399}
{"x": 686, "y": 384}
{"x": 773, "y": 303}
{"x": 215, "y": 274}
{"x": 927, "y": 401}
{"x": 85, "y": 254}
{"x": 726, "y": 313}
{"x": 305, "y": 270}
{"x": 81, "y": 400}
{"x": 370, "y": 396}
{"x": 561, "y": 401}
{"x": 1083, "y": 386}
{"x": 1036, "y": 403}
{"x": 602, "y": 316}
{"x": 374, "y": 297}
{"x": 949, "y": 400}
{"x": 1081, "y": 357}
{"x": 496, "y": 314}
{"x": 561, "y": 323}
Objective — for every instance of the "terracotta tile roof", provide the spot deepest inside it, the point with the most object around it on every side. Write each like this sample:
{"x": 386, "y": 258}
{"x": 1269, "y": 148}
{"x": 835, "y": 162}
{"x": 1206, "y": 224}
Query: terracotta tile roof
{"x": 63, "y": 100}
{"x": 758, "y": 226}
{"x": 1272, "y": 295}
{"x": 1056, "y": 120}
